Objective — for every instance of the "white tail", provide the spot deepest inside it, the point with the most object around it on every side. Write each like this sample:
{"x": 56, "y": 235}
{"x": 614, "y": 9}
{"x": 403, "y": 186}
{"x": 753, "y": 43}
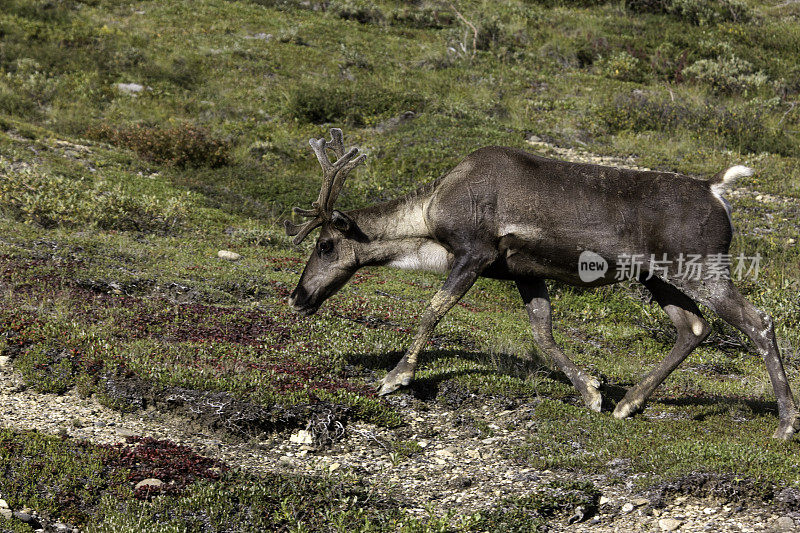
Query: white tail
{"x": 729, "y": 178}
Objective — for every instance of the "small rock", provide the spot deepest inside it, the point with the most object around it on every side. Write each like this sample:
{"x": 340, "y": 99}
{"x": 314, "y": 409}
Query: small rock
{"x": 669, "y": 524}
{"x": 446, "y": 453}
{"x": 790, "y": 241}
{"x": 130, "y": 88}
{"x": 423, "y": 443}
{"x": 24, "y": 517}
{"x": 640, "y": 501}
{"x": 260, "y": 36}
{"x": 462, "y": 482}
{"x": 6, "y": 513}
{"x": 228, "y": 255}
{"x": 61, "y": 527}
{"x": 627, "y": 508}
{"x": 786, "y": 523}
{"x": 393, "y": 122}
{"x": 123, "y": 432}
{"x": 3, "y": 504}
{"x": 301, "y": 437}
{"x": 149, "y": 482}
{"x": 4, "y": 361}
{"x": 577, "y": 516}
{"x": 604, "y": 500}
{"x": 334, "y": 467}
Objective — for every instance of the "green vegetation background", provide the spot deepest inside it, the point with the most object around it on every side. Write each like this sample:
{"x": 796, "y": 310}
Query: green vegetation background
{"x": 114, "y": 202}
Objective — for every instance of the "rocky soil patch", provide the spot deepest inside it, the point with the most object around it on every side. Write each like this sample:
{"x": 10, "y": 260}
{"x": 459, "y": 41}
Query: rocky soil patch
{"x": 450, "y": 459}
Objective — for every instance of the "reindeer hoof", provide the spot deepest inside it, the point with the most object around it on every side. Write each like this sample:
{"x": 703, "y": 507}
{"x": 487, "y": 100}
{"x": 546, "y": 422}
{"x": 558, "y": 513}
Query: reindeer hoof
{"x": 394, "y": 381}
{"x": 593, "y": 399}
{"x": 589, "y": 387}
{"x": 787, "y": 428}
{"x": 626, "y": 408}
{"x": 387, "y": 388}
{"x": 590, "y": 380}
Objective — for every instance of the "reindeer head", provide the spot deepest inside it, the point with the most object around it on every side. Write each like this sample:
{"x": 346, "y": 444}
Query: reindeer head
{"x": 333, "y": 260}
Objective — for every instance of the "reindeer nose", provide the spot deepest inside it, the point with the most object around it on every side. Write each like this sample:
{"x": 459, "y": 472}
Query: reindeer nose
{"x": 297, "y": 300}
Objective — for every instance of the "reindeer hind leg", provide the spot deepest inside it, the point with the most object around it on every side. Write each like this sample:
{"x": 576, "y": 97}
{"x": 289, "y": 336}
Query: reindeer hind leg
{"x": 723, "y": 297}
{"x": 692, "y": 329}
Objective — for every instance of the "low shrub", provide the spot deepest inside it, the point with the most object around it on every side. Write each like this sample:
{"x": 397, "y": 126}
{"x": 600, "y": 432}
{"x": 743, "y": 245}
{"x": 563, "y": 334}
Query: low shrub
{"x": 726, "y": 75}
{"x": 622, "y": 66}
{"x": 571, "y": 3}
{"x": 697, "y": 12}
{"x": 36, "y": 196}
{"x": 181, "y": 146}
{"x": 640, "y": 112}
{"x": 24, "y": 87}
{"x": 744, "y": 128}
{"x": 434, "y": 16}
{"x": 363, "y": 12}
{"x": 59, "y": 477}
{"x": 531, "y": 512}
{"x": 351, "y": 103}
{"x": 13, "y": 103}
{"x": 48, "y": 368}
{"x": 177, "y": 466}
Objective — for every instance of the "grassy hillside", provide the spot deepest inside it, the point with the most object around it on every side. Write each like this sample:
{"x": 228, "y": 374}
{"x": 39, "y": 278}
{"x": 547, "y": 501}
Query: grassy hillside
{"x": 139, "y": 138}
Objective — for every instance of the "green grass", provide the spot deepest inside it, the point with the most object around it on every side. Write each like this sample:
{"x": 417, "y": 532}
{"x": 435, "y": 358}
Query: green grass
{"x": 114, "y": 205}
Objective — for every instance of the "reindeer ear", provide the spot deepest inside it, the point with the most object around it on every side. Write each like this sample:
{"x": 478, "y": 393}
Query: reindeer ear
{"x": 342, "y": 222}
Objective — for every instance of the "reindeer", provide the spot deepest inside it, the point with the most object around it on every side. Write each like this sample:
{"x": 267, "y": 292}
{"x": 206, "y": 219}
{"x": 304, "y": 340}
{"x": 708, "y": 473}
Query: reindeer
{"x": 507, "y": 214}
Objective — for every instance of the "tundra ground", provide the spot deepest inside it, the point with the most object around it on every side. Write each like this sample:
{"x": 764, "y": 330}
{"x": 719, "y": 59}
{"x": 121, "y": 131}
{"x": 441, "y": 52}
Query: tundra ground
{"x": 115, "y": 199}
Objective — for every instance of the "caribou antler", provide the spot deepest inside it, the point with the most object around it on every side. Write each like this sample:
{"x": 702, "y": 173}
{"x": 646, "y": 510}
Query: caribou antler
{"x": 333, "y": 176}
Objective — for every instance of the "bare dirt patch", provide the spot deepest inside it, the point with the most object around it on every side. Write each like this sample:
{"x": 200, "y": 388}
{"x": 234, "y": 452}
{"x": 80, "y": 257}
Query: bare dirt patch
{"x": 450, "y": 459}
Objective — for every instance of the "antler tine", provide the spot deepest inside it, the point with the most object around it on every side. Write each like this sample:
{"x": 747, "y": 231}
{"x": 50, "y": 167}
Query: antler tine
{"x": 319, "y": 145}
{"x": 301, "y": 230}
{"x": 333, "y": 177}
{"x": 333, "y": 174}
{"x": 341, "y": 175}
{"x": 305, "y": 212}
{"x": 337, "y": 142}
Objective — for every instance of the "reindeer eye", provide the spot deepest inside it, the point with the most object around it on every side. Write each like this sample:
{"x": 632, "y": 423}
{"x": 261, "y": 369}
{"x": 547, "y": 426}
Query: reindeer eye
{"x": 325, "y": 247}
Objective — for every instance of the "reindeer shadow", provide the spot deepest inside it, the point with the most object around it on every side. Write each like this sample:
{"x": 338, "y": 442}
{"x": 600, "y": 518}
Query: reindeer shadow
{"x": 433, "y": 386}
{"x": 429, "y": 387}
{"x": 722, "y": 405}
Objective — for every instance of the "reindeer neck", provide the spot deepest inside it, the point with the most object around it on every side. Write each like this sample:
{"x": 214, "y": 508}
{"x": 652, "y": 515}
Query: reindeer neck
{"x": 399, "y": 219}
{"x": 397, "y": 233}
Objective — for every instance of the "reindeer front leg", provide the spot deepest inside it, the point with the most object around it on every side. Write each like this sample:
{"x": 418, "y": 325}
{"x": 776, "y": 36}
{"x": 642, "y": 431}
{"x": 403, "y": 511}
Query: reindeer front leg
{"x": 459, "y": 281}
